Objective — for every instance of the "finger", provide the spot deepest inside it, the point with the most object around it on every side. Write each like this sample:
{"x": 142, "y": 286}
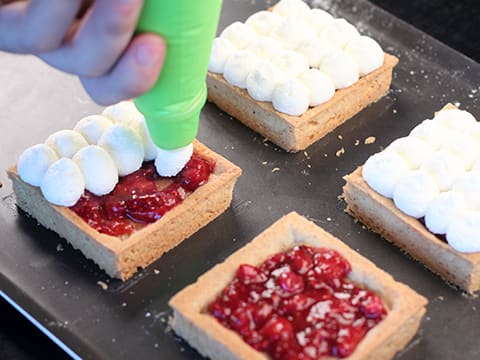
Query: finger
{"x": 135, "y": 73}
{"x": 101, "y": 38}
{"x": 36, "y": 26}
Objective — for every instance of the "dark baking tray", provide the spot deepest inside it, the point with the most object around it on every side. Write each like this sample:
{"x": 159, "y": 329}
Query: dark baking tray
{"x": 56, "y": 287}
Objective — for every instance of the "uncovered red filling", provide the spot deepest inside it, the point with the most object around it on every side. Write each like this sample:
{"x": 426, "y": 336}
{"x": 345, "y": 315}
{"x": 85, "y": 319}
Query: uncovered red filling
{"x": 139, "y": 198}
{"x": 299, "y": 305}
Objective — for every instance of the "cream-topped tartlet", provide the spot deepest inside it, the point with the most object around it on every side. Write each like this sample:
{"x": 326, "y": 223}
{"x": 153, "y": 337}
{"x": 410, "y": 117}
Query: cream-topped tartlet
{"x": 423, "y": 194}
{"x": 109, "y": 191}
{"x": 293, "y": 73}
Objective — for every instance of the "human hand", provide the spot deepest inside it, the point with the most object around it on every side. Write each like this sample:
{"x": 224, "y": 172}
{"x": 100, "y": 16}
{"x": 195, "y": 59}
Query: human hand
{"x": 92, "y": 39}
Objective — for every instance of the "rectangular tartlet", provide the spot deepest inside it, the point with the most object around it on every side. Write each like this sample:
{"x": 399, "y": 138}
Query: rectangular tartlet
{"x": 381, "y": 215}
{"x": 191, "y": 321}
{"x": 295, "y": 133}
{"x": 121, "y": 258}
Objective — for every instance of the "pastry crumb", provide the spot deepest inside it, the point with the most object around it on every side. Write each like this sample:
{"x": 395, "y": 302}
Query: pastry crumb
{"x": 440, "y": 297}
{"x": 309, "y": 166}
{"x": 325, "y": 155}
{"x": 156, "y": 271}
{"x": 329, "y": 219}
{"x": 264, "y": 162}
{"x": 275, "y": 169}
{"x": 370, "y": 140}
{"x": 357, "y": 142}
{"x": 340, "y": 137}
{"x": 103, "y": 285}
{"x": 59, "y": 247}
{"x": 340, "y": 152}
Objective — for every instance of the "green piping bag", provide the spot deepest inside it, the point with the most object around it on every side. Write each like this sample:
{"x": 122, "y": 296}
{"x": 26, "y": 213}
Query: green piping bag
{"x": 172, "y": 107}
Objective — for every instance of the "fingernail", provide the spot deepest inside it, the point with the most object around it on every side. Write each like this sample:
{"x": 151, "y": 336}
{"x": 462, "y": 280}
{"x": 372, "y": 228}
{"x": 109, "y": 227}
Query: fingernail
{"x": 148, "y": 55}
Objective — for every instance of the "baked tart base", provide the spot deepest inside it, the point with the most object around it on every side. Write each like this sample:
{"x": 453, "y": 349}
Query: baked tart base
{"x": 192, "y": 321}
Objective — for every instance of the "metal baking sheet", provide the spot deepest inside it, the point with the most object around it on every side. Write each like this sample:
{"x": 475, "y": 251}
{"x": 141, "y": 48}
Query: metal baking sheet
{"x": 59, "y": 289}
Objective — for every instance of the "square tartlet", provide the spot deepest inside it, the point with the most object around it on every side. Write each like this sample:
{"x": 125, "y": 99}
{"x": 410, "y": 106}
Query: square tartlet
{"x": 191, "y": 321}
{"x": 296, "y": 133}
{"x": 119, "y": 257}
{"x": 381, "y": 215}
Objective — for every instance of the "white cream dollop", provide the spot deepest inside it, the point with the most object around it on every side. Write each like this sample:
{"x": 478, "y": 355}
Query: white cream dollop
{"x": 455, "y": 119}
{"x": 291, "y": 97}
{"x": 414, "y": 150}
{"x": 433, "y": 132}
{"x": 63, "y": 183}
{"x": 414, "y": 193}
{"x": 222, "y": 49}
{"x": 125, "y": 146}
{"x": 366, "y": 52}
{"x": 171, "y": 162}
{"x": 263, "y": 22}
{"x": 239, "y": 34}
{"x": 341, "y": 68}
{"x": 444, "y": 167}
{"x": 464, "y": 233}
{"x": 265, "y": 47}
{"x": 66, "y": 142}
{"x": 291, "y": 63}
{"x": 92, "y": 127}
{"x": 442, "y": 211}
{"x": 290, "y": 32}
{"x": 320, "y": 86}
{"x": 238, "y": 67}
{"x": 383, "y": 170}
{"x": 149, "y": 147}
{"x": 318, "y": 20}
{"x": 292, "y": 8}
{"x": 98, "y": 169}
{"x": 261, "y": 82}
{"x": 474, "y": 130}
{"x": 314, "y": 49}
{"x": 469, "y": 185}
{"x": 34, "y": 162}
{"x": 476, "y": 165}
{"x": 125, "y": 112}
{"x": 464, "y": 146}
{"x": 339, "y": 33}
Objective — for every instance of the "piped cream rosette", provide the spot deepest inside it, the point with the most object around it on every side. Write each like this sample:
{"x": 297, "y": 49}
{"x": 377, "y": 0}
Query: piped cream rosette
{"x": 434, "y": 173}
{"x": 94, "y": 154}
{"x": 293, "y": 56}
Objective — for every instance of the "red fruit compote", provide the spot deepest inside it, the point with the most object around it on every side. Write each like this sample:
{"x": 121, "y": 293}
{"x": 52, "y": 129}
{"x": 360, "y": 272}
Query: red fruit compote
{"x": 142, "y": 197}
{"x": 299, "y": 305}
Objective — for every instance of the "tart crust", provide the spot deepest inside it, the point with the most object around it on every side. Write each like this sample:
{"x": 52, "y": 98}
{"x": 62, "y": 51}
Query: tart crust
{"x": 121, "y": 257}
{"x": 382, "y": 216}
{"x": 295, "y": 133}
{"x": 191, "y": 321}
